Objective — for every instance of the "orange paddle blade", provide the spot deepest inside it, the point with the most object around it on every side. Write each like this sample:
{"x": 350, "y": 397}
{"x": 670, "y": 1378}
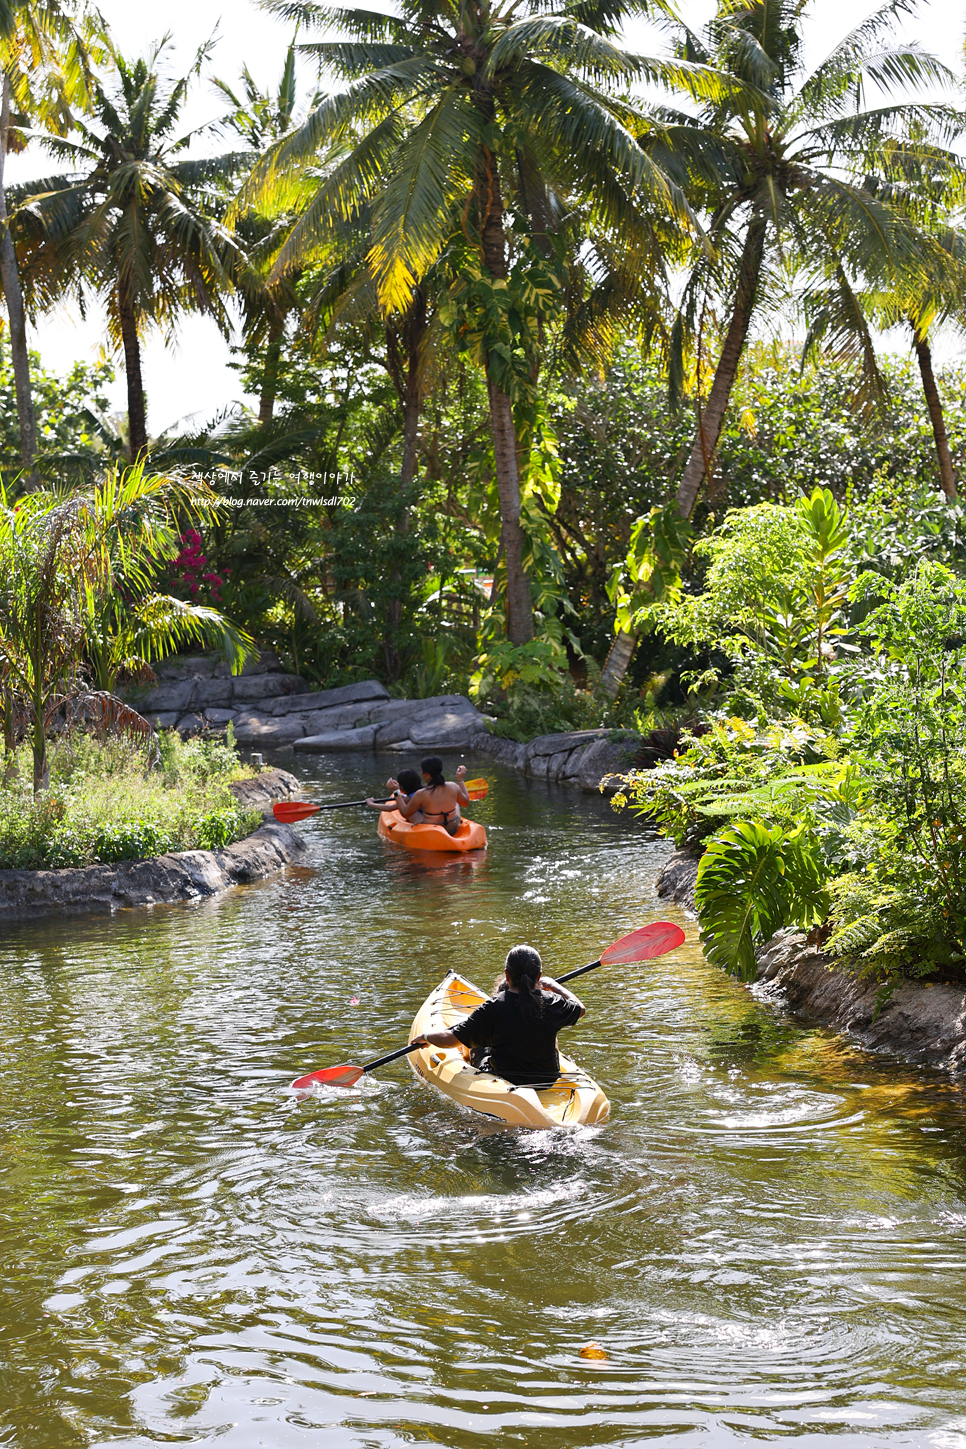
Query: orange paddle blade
{"x": 477, "y": 789}
{"x": 344, "y": 1076}
{"x": 654, "y": 940}
{"x": 288, "y": 811}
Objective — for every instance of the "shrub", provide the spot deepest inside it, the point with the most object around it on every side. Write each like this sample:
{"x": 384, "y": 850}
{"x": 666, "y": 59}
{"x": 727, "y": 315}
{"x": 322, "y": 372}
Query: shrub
{"x": 218, "y": 828}
{"x": 735, "y": 770}
{"x": 753, "y": 880}
{"x": 106, "y": 804}
{"x": 133, "y": 840}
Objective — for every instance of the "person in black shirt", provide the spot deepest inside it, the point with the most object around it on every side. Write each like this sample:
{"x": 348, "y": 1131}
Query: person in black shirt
{"x": 518, "y": 1026}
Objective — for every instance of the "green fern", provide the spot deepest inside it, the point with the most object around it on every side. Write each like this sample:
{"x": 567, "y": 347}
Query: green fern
{"x": 890, "y": 925}
{"x": 753, "y": 880}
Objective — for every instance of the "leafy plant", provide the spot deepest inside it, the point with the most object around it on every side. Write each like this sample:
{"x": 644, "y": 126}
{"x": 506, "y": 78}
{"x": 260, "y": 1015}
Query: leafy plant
{"x": 733, "y": 769}
{"x": 502, "y": 665}
{"x": 133, "y": 840}
{"x": 75, "y": 584}
{"x": 651, "y": 572}
{"x": 218, "y": 828}
{"x": 774, "y": 603}
{"x": 527, "y": 713}
{"x": 886, "y": 921}
{"x": 753, "y": 880}
{"x": 907, "y": 908}
{"x": 105, "y": 804}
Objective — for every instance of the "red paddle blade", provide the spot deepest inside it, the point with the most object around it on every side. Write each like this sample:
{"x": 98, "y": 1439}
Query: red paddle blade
{"x": 344, "y": 1076}
{"x": 654, "y": 940}
{"x": 477, "y": 789}
{"x": 288, "y": 811}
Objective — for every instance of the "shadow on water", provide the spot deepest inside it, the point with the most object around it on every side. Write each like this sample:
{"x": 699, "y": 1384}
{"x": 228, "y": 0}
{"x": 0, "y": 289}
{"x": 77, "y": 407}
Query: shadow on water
{"x": 766, "y": 1238}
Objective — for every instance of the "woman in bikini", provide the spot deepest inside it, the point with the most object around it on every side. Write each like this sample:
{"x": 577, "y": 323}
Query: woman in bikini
{"x": 439, "y": 799}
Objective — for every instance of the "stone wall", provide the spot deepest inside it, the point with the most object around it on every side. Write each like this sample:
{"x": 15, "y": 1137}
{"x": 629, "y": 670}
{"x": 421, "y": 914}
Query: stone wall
{"x": 269, "y": 708}
{"x": 590, "y": 759}
{"x": 922, "y": 1021}
{"x": 180, "y": 876}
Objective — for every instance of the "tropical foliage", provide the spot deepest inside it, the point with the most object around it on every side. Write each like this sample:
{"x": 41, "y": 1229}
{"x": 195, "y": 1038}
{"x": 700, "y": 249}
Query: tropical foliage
{"x": 76, "y": 598}
{"x": 508, "y": 299}
{"x": 836, "y": 793}
{"x": 129, "y": 224}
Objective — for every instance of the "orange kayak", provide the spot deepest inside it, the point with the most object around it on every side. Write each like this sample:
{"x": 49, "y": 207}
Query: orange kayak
{"x": 469, "y": 836}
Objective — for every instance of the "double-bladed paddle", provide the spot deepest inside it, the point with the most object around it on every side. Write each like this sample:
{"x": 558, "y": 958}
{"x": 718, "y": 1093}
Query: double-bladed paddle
{"x": 287, "y": 812}
{"x": 642, "y": 945}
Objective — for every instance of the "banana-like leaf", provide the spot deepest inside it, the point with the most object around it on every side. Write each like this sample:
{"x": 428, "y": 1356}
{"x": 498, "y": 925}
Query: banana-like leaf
{"x": 753, "y": 880}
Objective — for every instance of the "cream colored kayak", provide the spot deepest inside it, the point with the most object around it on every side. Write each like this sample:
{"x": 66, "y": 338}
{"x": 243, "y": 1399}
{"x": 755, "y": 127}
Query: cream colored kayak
{"x": 574, "y": 1098}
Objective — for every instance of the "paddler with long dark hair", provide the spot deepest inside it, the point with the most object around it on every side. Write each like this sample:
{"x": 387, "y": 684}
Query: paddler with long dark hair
{"x": 514, "y": 1034}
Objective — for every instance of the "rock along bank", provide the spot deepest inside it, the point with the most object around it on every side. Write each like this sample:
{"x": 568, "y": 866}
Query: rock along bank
{"x": 922, "y": 1021}
{"x": 270, "y": 709}
{"x": 179, "y": 876}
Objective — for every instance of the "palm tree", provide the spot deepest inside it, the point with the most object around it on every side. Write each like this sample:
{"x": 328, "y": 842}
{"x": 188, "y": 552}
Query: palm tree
{"x": 132, "y": 224}
{"x": 773, "y": 168}
{"x": 790, "y": 183}
{"x": 44, "y": 58}
{"x": 921, "y": 321}
{"x": 927, "y": 188}
{"x": 841, "y": 321}
{"x": 454, "y": 122}
{"x": 260, "y": 118}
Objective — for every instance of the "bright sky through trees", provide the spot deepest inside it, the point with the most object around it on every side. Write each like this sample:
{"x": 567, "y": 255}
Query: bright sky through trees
{"x": 194, "y": 377}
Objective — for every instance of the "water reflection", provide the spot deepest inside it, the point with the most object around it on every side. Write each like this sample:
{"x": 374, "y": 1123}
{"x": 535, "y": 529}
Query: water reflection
{"x": 767, "y": 1237}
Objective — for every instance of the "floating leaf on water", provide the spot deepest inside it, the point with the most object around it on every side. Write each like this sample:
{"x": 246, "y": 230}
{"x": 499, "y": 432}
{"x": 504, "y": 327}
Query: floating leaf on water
{"x": 592, "y": 1350}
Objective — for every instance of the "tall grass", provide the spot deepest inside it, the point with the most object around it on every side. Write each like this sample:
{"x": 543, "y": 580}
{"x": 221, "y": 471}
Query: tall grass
{"x": 106, "y": 803}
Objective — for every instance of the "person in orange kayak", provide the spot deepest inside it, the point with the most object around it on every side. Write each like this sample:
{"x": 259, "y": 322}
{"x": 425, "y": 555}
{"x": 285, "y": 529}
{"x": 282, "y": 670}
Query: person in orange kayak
{"x": 439, "y": 799}
{"x": 406, "y": 785}
{"x": 514, "y": 1034}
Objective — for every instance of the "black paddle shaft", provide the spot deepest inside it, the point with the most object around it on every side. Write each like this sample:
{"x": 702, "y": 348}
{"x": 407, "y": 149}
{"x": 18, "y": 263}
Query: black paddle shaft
{"x": 391, "y": 1056}
{"x": 344, "y": 804}
{"x": 581, "y": 971}
{"x": 413, "y": 1045}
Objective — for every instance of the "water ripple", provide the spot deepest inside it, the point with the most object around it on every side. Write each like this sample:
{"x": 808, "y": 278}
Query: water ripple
{"x": 766, "y": 1238}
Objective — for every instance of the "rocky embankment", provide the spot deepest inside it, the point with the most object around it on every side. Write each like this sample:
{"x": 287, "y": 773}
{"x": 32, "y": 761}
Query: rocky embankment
{"x": 272, "y": 709}
{"x": 183, "y": 875}
{"x": 591, "y": 759}
{"x": 922, "y": 1021}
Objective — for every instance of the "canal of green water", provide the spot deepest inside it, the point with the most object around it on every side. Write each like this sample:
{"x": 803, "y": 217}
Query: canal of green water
{"x": 766, "y": 1239}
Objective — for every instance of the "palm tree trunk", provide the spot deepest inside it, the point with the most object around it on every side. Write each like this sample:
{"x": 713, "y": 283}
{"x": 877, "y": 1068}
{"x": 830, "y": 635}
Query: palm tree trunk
{"x": 615, "y": 665}
{"x": 273, "y": 356}
{"x": 410, "y": 386}
{"x": 712, "y": 417}
{"x": 947, "y": 476}
{"x": 415, "y": 334}
{"x": 710, "y": 421}
{"x": 519, "y": 607}
{"x": 13, "y": 296}
{"x": 136, "y": 423}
